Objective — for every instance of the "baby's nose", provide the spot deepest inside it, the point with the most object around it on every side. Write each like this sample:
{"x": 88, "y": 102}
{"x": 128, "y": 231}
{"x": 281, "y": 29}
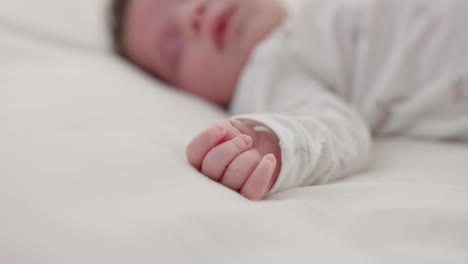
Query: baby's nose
{"x": 191, "y": 17}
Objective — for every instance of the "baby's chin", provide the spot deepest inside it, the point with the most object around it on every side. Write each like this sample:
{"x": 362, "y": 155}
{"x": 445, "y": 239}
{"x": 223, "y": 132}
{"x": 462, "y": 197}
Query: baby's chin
{"x": 220, "y": 92}
{"x": 223, "y": 98}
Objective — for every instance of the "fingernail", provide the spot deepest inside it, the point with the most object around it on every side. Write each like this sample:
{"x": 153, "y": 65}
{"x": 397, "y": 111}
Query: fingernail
{"x": 270, "y": 157}
{"x": 221, "y": 127}
{"x": 234, "y": 122}
{"x": 247, "y": 140}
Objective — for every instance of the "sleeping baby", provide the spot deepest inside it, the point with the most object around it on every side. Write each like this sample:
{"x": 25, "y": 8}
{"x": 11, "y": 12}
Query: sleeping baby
{"x": 308, "y": 82}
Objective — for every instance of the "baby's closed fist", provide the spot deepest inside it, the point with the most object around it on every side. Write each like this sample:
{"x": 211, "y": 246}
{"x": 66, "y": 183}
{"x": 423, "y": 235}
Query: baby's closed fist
{"x": 238, "y": 157}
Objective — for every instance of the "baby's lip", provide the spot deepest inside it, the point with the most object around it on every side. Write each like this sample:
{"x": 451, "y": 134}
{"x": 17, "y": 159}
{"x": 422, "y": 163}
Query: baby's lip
{"x": 220, "y": 26}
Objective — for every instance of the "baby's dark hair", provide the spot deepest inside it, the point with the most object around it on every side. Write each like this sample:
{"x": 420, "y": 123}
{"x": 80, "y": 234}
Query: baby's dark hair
{"x": 117, "y": 17}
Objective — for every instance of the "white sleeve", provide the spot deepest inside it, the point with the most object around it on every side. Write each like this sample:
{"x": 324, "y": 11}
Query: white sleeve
{"x": 322, "y": 139}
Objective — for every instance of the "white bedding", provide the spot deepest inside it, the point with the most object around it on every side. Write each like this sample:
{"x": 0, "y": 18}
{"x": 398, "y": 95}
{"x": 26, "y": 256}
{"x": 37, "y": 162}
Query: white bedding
{"x": 92, "y": 170}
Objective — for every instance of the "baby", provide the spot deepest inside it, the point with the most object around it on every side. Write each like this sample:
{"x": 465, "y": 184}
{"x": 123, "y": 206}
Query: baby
{"x": 308, "y": 81}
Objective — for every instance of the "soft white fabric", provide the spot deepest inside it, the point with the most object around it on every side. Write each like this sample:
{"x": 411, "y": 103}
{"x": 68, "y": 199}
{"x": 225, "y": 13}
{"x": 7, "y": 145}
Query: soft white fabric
{"x": 337, "y": 69}
{"x": 92, "y": 170}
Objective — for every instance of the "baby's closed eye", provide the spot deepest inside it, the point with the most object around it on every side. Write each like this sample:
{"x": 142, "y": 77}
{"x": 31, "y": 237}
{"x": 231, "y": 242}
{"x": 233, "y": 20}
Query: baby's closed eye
{"x": 170, "y": 48}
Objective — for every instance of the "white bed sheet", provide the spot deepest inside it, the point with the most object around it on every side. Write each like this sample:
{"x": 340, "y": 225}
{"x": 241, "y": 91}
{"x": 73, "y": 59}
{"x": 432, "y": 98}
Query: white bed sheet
{"x": 92, "y": 170}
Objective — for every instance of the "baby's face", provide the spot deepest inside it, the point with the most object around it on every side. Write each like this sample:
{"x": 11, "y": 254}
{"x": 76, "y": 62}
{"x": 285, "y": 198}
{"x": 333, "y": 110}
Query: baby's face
{"x": 199, "y": 46}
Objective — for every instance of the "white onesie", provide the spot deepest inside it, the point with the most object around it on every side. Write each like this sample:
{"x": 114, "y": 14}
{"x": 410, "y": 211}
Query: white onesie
{"x": 337, "y": 71}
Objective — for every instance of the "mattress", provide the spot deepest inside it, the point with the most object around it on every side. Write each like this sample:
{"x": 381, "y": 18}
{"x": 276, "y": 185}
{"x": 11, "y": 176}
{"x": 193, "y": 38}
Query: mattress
{"x": 93, "y": 170}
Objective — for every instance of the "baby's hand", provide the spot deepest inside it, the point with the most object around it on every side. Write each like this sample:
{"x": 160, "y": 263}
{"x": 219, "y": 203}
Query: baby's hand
{"x": 238, "y": 157}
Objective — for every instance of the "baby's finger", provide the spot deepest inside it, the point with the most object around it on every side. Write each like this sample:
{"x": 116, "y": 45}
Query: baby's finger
{"x": 255, "y": 188}
{"x": 203, "y": 142}
{"x": 239, "y": 170}
{"x": 232, "y": 131}
{"x": 217, "y": 160}
{"x": 243, "y": 128}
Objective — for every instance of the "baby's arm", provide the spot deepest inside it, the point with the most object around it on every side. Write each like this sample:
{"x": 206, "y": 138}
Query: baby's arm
{"x": 322, "y": 137}
{"x": 237, "y": 156}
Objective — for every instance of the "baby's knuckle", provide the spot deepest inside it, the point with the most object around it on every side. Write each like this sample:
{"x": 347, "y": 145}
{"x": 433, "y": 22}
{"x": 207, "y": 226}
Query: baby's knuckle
{"x": 240, "y": 143}
{"x": 191, "y": 156}
{"x": 237, "y": 143}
